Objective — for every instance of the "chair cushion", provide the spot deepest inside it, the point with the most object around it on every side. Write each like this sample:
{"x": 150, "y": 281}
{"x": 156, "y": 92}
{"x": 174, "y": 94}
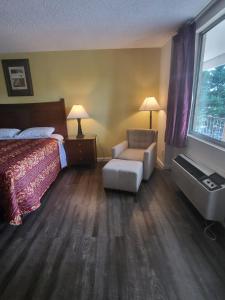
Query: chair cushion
{"x": 132, "y": 154}
{"x": 141, "y": 138}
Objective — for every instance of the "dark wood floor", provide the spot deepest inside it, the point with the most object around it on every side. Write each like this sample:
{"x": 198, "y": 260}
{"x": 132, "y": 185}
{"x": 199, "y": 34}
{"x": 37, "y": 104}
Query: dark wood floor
{"x": 85, "y": 243}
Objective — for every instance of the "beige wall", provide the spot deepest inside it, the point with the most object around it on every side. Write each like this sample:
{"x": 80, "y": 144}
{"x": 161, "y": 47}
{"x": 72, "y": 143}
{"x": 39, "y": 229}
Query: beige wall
{"x": 163, "y": 95}
{"x": 111, "y": 84}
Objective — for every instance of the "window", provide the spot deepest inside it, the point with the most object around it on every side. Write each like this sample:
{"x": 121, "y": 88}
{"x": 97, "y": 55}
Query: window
{"x": 208, "y": 113}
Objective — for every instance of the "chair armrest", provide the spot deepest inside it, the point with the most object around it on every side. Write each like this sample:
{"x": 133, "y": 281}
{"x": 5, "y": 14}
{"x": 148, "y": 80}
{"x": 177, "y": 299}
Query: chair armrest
{"x": 116, "y": 150}
{"x": 149, "y": 160}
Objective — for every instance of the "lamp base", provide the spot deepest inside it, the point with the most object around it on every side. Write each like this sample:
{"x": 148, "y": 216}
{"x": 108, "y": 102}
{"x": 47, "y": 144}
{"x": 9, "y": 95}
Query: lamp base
{"x": 79, "y": 129}
{"x": 150, "y": 119}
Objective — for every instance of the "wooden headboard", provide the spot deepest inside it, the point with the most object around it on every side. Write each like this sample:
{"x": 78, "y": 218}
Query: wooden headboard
{"x": 23, "y": 116}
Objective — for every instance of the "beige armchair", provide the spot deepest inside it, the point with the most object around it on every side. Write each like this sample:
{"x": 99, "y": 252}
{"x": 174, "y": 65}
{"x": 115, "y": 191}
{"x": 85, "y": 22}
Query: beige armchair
{"x": 139, "y": 146}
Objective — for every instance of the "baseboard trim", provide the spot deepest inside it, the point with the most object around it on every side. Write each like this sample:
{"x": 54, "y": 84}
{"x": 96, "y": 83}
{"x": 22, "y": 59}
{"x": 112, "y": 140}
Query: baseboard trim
{"x": 103, "y": 159}
{"x": 160, "y": 163}
{"x": 108, "y": 158}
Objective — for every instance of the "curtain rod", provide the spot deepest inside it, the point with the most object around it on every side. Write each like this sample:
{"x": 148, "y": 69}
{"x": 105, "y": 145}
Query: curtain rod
{"x": 201, "y": 13}
{"x": 198, "y": 16}
{"x": 204, "y": 10}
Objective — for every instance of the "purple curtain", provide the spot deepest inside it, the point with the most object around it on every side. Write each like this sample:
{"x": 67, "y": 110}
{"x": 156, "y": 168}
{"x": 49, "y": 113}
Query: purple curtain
{"x": 180, "y": 86}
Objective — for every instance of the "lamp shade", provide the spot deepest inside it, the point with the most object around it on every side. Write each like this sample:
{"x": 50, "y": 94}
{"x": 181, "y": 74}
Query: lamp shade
{"x": 78, "y": 112}
{"x": 150, "y": 103}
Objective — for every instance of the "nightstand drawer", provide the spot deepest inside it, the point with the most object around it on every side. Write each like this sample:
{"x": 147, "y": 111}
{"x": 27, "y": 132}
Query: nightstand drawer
{"x": 81, "y": 151}
{"x": 83, "y": 145}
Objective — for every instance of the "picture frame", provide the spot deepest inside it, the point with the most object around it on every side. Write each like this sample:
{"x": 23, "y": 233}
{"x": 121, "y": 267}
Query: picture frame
{"x": 17, "y": 77}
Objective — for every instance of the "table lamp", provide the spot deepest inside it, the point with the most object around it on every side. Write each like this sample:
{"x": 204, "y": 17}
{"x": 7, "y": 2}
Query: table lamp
{"x": 78, "y": 112}
{"x": 150, "y": 104}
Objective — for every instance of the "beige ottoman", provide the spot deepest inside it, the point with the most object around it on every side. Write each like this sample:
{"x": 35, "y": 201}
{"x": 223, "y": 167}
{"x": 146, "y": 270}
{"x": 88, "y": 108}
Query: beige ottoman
{"x": 124, "y": 175}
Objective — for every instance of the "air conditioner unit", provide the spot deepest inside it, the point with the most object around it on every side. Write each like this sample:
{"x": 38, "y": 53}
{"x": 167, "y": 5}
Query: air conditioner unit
{"x": 202, "y": 186}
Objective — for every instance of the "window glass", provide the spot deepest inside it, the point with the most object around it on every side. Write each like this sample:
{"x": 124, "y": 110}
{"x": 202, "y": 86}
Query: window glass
{"x": 209, "y": 109}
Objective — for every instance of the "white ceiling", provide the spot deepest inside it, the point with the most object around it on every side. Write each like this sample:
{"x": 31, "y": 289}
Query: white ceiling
{"x": 45, "y": 25}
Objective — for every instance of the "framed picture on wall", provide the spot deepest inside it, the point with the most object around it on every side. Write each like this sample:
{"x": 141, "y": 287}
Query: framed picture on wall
{"x": 17, "y": 77}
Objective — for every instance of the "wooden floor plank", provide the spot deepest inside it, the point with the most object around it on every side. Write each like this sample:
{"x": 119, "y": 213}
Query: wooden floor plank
{"x": 85, "y": 243}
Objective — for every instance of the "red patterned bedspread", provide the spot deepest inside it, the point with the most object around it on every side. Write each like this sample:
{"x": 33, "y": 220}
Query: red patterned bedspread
{"x": 27, "y": 169}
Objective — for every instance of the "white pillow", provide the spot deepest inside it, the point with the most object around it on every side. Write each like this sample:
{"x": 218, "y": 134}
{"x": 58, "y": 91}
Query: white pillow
{"x": 8, "y": 133}
{"x": 57, "y": 137}
{"x": 36, "y": 132}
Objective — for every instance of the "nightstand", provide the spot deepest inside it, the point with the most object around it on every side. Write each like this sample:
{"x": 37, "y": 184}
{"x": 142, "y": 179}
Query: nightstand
{"x": 81, "y": 151}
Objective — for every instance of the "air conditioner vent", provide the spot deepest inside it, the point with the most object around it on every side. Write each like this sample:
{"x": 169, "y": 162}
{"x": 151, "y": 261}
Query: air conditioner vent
{"x": 189, "y": 167}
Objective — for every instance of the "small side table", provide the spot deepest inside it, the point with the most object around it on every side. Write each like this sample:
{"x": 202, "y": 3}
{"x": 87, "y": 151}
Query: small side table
{"x": 81, "y": 151}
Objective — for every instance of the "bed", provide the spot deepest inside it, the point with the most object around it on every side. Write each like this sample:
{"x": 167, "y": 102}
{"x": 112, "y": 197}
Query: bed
{"x": 29, "y": 166}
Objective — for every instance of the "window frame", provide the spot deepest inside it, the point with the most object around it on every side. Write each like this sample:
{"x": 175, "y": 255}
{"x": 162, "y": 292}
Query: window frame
{"x": 196, "y": 81}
